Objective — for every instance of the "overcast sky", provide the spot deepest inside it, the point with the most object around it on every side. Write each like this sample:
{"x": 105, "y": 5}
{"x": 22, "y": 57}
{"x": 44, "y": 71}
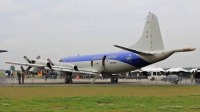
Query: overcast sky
{"x": 58, "y": 28}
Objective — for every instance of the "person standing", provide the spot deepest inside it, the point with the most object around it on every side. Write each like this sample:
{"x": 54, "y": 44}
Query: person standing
{"x": 23, "y": 75}
{"x": 12, "y": 75}
{"x": 19, "y": 77}
{"x": 45, "y": 75}
{"x": 192, "y": 77}
{"x": 100, "y": 75}
{"x": 181, "y": 76}
{"x": 137, "y": 76}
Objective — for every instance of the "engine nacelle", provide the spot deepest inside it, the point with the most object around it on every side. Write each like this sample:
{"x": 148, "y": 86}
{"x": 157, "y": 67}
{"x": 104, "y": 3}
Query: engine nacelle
{"x": 67, "y": 65}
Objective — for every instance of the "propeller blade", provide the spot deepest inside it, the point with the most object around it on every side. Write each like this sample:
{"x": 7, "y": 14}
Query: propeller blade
{"x": 38, "y": 57}
{"x": 28, "y": 68}
{"x": 22, "y": 68}
{"x": 50, "y": 61}
{"x": 49, "y": 64}
{"x": 60, "y": 60}
{"x": 27, "y": 59}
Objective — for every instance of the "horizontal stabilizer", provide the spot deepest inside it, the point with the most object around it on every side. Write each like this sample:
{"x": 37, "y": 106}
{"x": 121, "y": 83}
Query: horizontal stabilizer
{"x": 133, "y": 50}
{"x": 185, "y": 49}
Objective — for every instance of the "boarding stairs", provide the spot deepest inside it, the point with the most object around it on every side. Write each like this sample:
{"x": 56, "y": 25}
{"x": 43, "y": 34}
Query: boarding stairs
{"x": 97, "y": 74}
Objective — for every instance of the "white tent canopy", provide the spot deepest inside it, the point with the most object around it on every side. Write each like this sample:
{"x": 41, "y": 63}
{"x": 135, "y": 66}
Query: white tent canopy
{"x": 178, "y": 69}
{"x": 193, "y": 70}
{"x": 151, "y": 68}
{"x": 137, "y": 70}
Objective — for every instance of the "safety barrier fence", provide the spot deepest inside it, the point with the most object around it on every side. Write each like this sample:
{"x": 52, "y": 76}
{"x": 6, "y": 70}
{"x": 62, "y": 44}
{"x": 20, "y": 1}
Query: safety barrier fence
{"x": 10, "y": 81}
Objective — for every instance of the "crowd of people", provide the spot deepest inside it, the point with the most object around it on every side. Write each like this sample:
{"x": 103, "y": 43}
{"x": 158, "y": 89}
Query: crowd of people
{"x": 45, "y": 74}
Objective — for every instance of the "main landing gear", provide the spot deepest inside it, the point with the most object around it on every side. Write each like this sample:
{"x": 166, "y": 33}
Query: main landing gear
{"x": 68, "y": 80}
{"x": 114, "y": 80}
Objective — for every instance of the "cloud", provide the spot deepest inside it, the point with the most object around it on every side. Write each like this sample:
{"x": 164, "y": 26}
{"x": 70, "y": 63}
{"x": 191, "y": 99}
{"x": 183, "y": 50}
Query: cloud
{"x": 66, "y": 8}
{"x": 56, "y": 29}
{"x": 10, "y": 6}
{"x": 31, "y": 17}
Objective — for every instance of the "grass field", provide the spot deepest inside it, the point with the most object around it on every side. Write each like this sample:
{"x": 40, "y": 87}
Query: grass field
{"x": 100, "y": 98}
{"x": 1, "y": 73}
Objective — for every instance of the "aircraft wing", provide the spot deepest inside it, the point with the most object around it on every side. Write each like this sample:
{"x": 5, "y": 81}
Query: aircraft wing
{"x": 84, "y": 72}
{"x": 58, "y": 68}
{"x": 61, "y": 67}
{"x": 62, "y": 70}
{"x": 24, "y": 64}
{"x": 3, "y": 51}
{"x": 133, "y": 50}
{"x": 87, "y": 70}
{"x": 80, "y": 70}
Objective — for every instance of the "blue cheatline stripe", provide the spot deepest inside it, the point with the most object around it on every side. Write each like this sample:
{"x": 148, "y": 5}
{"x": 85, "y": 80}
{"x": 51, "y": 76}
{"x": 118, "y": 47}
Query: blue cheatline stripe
{"x": 126, "y": 57}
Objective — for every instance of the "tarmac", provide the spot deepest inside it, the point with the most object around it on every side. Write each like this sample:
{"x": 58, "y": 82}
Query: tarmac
{"x": 4, "y": 81}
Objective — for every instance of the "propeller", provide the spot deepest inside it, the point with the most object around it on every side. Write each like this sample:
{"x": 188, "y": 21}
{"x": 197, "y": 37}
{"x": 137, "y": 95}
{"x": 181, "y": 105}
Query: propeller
{"x": 60, "y": 60}
{"x": 29, "y": 61}
{"x": 50, "y": 64}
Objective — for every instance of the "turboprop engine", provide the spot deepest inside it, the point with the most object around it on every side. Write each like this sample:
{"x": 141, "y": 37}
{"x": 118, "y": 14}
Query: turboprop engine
{"x": 60, "y": 65}
{"x": 29, "y": 61}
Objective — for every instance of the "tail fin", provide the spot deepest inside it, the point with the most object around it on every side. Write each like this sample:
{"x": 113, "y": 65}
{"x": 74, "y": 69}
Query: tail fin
{"x": 151, "y": 38}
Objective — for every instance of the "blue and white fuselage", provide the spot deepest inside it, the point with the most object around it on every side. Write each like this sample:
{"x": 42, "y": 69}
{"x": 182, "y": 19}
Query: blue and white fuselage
{"x": 117, "y": 62}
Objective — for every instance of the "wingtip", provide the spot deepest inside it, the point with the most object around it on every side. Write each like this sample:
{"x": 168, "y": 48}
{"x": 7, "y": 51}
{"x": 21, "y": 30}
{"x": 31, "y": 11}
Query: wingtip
{"x": 193, "y": 49}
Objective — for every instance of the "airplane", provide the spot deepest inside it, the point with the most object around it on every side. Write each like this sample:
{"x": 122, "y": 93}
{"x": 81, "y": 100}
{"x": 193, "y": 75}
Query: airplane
{"x": 3, "y": 51}
{"x": 147, "y": 50}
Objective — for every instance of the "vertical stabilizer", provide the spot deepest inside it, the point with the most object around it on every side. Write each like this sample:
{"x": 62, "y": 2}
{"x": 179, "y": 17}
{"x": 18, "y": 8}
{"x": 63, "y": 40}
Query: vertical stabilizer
{"x": 151, "y": 38}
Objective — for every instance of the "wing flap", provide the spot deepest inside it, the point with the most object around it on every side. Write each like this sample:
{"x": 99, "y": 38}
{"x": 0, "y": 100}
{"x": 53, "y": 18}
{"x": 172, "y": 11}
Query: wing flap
{"x": 61, "y": 67}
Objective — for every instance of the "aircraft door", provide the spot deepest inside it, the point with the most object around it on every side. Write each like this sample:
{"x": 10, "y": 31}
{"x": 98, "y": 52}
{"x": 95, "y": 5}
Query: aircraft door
{"x": 98, "y": 63}
{"x": 92, "y": 63}
{"x": 103, "y": 61}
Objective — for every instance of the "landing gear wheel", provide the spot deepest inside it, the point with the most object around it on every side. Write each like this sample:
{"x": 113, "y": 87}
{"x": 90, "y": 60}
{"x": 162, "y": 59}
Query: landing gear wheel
{"x": 152, "y": 79}
{"x": 175, "y": 82}
{"x": 68, "y": 80}
{"x": 116, "y": 80}
{"x": 197, "y": 81}
{"x": 112, "y": 80}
